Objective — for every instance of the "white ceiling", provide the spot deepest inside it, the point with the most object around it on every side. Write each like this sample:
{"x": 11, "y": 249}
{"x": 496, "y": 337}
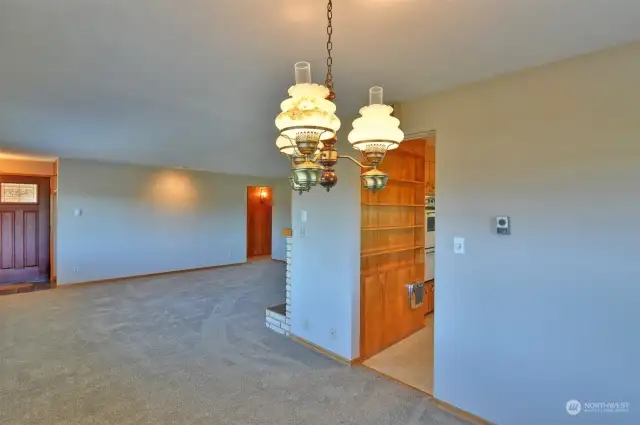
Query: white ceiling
{"x": 197, "y": 83}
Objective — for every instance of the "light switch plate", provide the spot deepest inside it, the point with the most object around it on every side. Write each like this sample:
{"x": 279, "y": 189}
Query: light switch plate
{"x": 303, "y": 216}
{"x": 77, "y": 212}
{"x": 458, "y": 245}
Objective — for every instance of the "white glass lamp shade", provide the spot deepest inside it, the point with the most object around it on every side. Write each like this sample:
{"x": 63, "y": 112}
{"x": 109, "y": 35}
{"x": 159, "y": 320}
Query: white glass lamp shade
{"x": 307, "y": 110}
{"x": 288, "y": 147}
{"x": 376, "y": 127}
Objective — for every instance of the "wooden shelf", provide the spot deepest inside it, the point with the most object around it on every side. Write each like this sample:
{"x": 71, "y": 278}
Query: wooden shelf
{"x": 413, "y": 226}
{"x": 383, "y": 269}
{"x": 407, "y": 181}
{"x": 409, "y": 153}
{"x": 393, "y": 205}
{"x": 389, "y": 251}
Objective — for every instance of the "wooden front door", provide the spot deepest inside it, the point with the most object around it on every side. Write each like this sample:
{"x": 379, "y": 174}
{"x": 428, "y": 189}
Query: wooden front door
{"x": 24, "y": 229}
{"x": 259, "y": 217}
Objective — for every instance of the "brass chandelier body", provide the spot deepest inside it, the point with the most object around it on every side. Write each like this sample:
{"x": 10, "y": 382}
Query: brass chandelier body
{"x": 311, "y": 148}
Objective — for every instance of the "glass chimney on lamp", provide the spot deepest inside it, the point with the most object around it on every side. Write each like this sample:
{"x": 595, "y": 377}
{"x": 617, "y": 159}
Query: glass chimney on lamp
{"x": 307, "y": 116}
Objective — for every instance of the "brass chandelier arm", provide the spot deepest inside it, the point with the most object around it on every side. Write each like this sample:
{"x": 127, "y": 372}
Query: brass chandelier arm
{"x": 291, "y": 141}
{"x": 355, "y": 161}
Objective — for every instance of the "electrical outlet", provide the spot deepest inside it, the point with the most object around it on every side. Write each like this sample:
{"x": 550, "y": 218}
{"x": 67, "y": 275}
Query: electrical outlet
{"x": 303, "y": 232}
{"x": 76, "y": 270}
{"x": 305, "y": 324}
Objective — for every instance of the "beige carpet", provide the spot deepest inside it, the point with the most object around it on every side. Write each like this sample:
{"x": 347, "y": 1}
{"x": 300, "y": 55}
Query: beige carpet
{"x": 181, "y": 349}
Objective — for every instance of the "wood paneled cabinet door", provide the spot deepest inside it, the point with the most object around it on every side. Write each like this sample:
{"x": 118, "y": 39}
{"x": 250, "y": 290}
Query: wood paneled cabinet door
{"x": 430, "y": 169}
{"x": 429, "y": 297}
{"x": 431, "y": 179}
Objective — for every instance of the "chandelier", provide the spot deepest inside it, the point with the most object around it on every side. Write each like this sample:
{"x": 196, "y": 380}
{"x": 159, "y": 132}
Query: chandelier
{"x": 308, "y": 129}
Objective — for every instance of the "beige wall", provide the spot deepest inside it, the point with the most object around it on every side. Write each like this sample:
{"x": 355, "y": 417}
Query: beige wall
{"x": 526, "y": 322}
{"x": 139, "y": 220}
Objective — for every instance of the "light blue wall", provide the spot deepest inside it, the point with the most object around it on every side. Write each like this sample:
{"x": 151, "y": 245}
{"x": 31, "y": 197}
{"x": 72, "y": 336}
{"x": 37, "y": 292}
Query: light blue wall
{"x": 139, "y": 220}
{"x": 526, "y": 322}
{"x": 281, "y": 217}
{"x": 325, "y": 291}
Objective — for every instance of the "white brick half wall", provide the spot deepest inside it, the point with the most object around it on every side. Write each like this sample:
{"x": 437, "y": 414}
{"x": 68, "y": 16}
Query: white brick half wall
{"x": 275, "y": 320}
{"x": 288, "y": 279}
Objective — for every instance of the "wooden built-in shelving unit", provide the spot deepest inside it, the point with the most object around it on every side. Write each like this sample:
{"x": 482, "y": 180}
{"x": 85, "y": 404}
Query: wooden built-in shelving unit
{"x": 392, "y": 227}
{"x": 407, "y": 181}
{"x": 430, "y": 166}
{"x": 376, "y": 252}
{"x": 391, "y": 204}
{"x": 392, "y": 250}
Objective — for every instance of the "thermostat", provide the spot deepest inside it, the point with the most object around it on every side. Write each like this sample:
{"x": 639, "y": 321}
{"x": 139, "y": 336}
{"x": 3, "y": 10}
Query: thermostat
{"x": 503, "y": 225}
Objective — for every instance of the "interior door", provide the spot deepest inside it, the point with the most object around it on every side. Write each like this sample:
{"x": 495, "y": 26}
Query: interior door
{"x": 259, "y": 218}
{"x": 24, "y": 229}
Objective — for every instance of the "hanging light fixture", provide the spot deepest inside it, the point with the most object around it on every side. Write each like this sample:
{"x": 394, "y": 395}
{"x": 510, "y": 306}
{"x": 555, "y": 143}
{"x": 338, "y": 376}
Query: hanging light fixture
{"x": 308, "y": 129}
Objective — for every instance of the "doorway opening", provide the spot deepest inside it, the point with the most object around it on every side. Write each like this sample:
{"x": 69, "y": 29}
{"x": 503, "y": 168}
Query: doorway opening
{"x": 25, "y": 216}
{"x": 259, "y": 221}
{"x": 397, "y": 322}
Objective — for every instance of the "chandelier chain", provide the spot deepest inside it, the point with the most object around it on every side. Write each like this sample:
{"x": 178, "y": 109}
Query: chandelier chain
{"x": 329, "y": 79}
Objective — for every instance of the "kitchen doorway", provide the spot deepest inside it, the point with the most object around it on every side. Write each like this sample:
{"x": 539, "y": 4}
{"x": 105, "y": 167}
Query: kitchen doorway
{"x": 411, "y": 360}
